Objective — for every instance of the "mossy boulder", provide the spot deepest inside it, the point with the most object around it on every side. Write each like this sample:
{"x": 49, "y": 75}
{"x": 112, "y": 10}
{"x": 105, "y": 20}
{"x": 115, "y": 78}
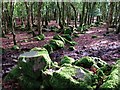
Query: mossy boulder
{"x": 28, "y": 83}
{"x": 58, "y": 37}
{"x": 85, "y": 62}
{"x": 34, "y": 61}
{"x": 56, "y": 44}
{"x": 15, "y": 47}
{"x": 72, "y": 43}
{"x": 13, "y": 74}
{"x": 113, "y": 79}
{"x": 40, "y": 37}
{"x": 49, "y": 48}
{"x": 71, "y": 48}
{"x": 99, "y": 62}
{"x": 68, "y": 30}
{"x": 68, "y": 77}
{"x": 67, "y": 36}
{"x": 67, "y": 60}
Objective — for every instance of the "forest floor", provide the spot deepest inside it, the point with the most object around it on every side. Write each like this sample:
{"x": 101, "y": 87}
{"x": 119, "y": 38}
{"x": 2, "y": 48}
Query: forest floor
{"x": 106, "y": 47}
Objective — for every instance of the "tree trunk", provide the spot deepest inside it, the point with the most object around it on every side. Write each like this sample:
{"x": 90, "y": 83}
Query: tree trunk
{"x": 60, "y": 24}
{"x": 75, "y": 14}
{"x": 12, "y": 23}
{"x": 46, "y": 17}
{"x": 110, "y": 15}
{"x": 68, "y": 14}
{"x": 28, "y": 15}
{"x": 83, "y": 12}
{"x": 63, "y": 16}
{"x": 39, "y": 18}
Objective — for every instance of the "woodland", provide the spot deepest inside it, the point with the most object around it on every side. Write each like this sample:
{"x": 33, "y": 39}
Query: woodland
{"x": 60, "y": 45}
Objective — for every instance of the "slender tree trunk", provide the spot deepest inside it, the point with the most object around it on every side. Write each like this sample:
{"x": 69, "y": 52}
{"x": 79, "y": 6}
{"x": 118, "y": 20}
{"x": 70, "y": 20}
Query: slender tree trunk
{"x": 60, "y": 24}
{"x": 68, "y": 14}
{"x": 46, "y": 17}
{"x": 28, "y": 15}
{"x": 63, "y": 16}
{"x": 3, "y": 23}
{"x": 75, "y": 14}
{"x": 83, "y": 13}
{"x": 110, "y": 15}
{"x": 39, "y": 18}
{"x": 31, "y": 9}
{"x": 12, "y": 22}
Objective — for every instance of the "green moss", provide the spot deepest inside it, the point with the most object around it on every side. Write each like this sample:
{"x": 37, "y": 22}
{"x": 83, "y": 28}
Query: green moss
{"x": 67, "y": 59}
{"x": 99, "y": 62}
{"x": 27, "y": 83}
{"x": 72, "y": 43}
{"x": 58, "y": 37}
{"x": 13, "y": 74}
{"x": 48, "y": 47}
{"x": 68, "y": 77}
{"x": 67, "y": 36}
{"x": 56, "y": 44}
{"x": 85, "y": 62}
{"x": 113, "y": 79}
{"x": 68, "y": 31}
{"x": 40, "y": 37}
{"x": 71, "y": 48}
{"x": 34, "y": 61}
{"x": 15, "y": 47}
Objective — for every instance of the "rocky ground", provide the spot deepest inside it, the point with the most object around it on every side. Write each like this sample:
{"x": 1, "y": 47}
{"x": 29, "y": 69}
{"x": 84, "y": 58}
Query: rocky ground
{"x": 107, "y": 47}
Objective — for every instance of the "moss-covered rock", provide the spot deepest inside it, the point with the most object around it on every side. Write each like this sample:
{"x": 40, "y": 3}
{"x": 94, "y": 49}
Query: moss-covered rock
{"x": 71, "y": 48}
{"x": 68, "y": 77}
{"x": 85, "y": 62}
{"x": 28, "y": 83}
{"x": 72, "y": 43}
{"x": 113, "y": 79}
{"x": 67, "y": 36}
{"x": 68, "y": 30}
{"x": 40, "y": 37}
{"x": 49, "y": 48}
{"x": 67, "y": 60}
{"x": 99, "y": 62}
{"x": 34, "y": 61}
{"x": 56, "y": 44}
{"x": 58, "y": 37}
{"x": 15, "y": 47}
{"x": 13, "y": 74}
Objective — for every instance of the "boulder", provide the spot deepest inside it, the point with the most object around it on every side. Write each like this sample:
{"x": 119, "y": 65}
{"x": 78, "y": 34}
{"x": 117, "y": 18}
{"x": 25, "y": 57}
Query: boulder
{"x": 34, "y": 61}
{"x": 67, "y": 60}
{"x": 71, "y": 77}
{"x": 113, "y": 79}
{"x": 49, "y": 48}
{"x": 56, "y": 44}
{"x": 58, "y": 37}
{"x": 86, "y": 62}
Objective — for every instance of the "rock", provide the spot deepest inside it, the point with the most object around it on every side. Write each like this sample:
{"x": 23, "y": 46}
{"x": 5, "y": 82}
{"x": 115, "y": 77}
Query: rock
{"x": 56, "y": 44}
{"x": 113, "y": 79}
{"x": 58, "y": 37}
{"x": 49, "y": 48}
{"x": 71, "y": 48}
{"x": 68, "y": 77}
{"x": 85, "y": 62}
{"x": 67, "y": 60}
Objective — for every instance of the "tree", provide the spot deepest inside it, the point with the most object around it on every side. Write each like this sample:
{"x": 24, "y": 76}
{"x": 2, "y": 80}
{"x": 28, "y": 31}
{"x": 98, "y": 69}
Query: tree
{"x": 39, "y": 18}
{"x": 75, "y": 14}
{"x": 110, "y": 15}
